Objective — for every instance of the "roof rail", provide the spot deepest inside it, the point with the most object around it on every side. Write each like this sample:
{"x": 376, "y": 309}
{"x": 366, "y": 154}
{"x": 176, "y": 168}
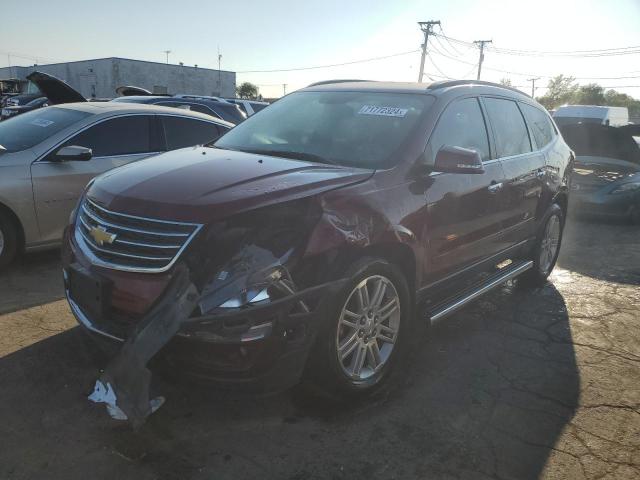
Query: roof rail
{"x": 200, "y": 97}
{"x": 455, "y": 83}
{"x": 328, "y": 82}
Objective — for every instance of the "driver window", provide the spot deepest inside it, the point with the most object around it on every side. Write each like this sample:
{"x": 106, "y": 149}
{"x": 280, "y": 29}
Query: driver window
{"x": 461, "y": 125}
{"x": 117, "y": 136}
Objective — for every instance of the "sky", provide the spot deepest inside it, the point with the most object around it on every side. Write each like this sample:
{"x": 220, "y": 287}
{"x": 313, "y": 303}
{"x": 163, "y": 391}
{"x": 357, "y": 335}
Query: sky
{"x": 257, "y": 35}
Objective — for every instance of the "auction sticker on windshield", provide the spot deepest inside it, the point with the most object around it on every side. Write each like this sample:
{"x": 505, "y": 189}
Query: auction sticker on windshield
{"x": 41, "y": 122}
{"x": 383, "y": 111}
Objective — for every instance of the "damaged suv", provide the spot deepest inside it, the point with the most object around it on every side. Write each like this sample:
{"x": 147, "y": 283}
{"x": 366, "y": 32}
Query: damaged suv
{"x": 308, "y": 237}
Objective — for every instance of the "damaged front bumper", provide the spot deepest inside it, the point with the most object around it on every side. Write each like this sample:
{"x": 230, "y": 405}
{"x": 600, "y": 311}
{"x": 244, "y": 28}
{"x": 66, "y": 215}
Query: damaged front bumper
{"x": 258, "y": 348}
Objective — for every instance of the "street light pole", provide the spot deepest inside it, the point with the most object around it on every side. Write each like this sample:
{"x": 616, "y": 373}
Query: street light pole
{"x": 167, "y": 52}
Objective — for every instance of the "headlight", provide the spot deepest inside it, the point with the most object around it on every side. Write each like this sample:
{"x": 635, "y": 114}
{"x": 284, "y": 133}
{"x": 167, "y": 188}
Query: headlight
{"x": 626, "y": 188}
{"x": 254, "y": 276}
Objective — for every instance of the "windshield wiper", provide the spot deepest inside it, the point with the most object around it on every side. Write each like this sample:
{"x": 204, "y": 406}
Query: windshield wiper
{"x": 312, "y": 157}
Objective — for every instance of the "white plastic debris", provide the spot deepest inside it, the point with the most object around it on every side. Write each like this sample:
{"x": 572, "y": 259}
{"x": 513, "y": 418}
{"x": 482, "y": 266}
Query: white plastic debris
{"x": 104, "y": 394}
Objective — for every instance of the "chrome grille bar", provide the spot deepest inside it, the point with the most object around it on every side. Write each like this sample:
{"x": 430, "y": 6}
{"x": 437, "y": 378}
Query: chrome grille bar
{"x": 131, "y": 243}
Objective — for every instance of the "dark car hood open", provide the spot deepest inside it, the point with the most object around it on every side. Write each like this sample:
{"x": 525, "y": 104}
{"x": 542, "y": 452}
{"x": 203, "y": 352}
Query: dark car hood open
{"x": 130, "y": 90}
{"x": 593, "y": 172}
{"x": 55, "y": 89}
{"x": 201, "y": 184}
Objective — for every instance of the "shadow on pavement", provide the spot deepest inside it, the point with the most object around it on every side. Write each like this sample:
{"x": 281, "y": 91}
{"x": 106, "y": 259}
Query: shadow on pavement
{"x": 484, "y": 395}
{"x": 33, "y": 279}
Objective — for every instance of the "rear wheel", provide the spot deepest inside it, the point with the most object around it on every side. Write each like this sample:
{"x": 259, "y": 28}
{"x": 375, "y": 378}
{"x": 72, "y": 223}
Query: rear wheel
{"x": 363, "y": 339}
{"x": 8, "y": 240}
{"x": 546, "y": 249}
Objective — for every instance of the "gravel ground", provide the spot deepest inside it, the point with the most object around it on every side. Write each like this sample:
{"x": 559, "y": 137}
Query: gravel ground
{"x": 538, "y": 384}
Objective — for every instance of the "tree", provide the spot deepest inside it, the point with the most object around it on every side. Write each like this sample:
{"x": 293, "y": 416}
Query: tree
{"x": 506, "y": 82}
{"x": 560, "y": 90}
{"x": 590, "y": 94}
{"x": 247, "y": 90}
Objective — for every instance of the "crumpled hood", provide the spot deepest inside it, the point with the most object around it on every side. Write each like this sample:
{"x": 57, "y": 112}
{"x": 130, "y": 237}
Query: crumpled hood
{"x": 591, "y": 173}
{"x": 200, "y": 184}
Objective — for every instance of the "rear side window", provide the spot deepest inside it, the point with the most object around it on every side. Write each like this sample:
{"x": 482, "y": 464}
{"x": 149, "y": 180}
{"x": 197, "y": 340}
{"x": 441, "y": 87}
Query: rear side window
{"x": 461, "y": 125}
{"x": 539, "y": 124}
{"x": 258, "y": 106}
{"x": 509, "y": 128}
{"x": 183, "y": 132}
{"x": 117, "y": 136}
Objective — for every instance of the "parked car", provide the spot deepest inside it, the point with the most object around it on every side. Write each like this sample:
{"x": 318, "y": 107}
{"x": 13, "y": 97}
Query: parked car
{"x": 207, "y": 105}
{"x": 48, "y": 155}
{"x": 9, "y": 87}
{"x": 248, "y": 106}
{"x": 572, "y": 114}
{"x": 606, "y": 178}
{"x": 42, "y": 84}
{"x": 305, "y": 239}
{"x": 7, "y": 112}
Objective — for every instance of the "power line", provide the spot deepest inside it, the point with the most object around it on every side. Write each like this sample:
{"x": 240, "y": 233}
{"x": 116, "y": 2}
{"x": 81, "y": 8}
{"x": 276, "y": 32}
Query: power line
{"x": 444, "y": 35}
{"x": 571, "y": 53}
{"x": 524, "y": 74}
{"x": 315, "y": 67}
{"x": 444, "y": 75}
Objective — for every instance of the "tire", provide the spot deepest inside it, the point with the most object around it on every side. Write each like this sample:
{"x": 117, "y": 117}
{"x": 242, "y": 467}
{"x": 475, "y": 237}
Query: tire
{"x": 374, "y": 334}
{"x": 8, "y": 240}
{"x": 544, "y": 259}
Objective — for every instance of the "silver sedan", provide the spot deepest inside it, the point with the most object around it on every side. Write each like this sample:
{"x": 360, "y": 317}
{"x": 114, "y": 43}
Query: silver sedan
{"x": 47, "y": 156}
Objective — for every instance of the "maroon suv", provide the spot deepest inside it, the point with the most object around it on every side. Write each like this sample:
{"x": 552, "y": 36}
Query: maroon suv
{"x": 309, "y": 236}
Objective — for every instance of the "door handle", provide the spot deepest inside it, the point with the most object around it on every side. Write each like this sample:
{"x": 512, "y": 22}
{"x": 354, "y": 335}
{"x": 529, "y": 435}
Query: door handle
{"x": 495, "y": 187}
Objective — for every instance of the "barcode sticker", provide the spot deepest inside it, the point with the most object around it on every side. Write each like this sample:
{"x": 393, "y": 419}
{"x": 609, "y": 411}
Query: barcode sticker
{"x": 383, "y": 111}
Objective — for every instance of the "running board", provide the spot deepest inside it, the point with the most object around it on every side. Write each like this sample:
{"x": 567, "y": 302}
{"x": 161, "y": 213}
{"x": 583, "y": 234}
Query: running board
{"x": 450, "y": 305}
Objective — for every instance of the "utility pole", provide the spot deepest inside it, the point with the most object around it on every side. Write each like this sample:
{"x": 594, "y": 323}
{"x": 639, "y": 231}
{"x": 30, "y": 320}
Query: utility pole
{"x": 167, "y": 52}
{"x": 219, "y": 72}
{"x": 284, "y": 89}
{"x": 427, "y": 29}
{"x": 481, "y": 43}
{"x": 533, "y": 85}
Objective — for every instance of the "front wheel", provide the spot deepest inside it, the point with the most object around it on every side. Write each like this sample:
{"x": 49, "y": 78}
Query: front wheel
{"x": 546, "y": 249}
{"x": 361, "y": 342}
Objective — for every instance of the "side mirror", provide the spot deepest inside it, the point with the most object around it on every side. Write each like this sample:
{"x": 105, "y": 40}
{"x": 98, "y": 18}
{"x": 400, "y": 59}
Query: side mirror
{"x": 73, "y": 152}
{"x": 457, "y": 160}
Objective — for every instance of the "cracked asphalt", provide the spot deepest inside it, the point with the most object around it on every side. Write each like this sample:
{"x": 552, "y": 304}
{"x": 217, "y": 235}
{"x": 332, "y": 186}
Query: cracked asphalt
{"x": 518, "y": 385}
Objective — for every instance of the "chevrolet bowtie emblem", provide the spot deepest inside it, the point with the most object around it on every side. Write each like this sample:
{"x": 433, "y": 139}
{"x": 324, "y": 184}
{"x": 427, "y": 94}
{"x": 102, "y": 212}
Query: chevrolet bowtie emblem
{"x": 101, "y": 236}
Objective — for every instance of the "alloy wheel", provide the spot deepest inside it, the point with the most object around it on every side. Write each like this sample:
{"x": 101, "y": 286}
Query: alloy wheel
{"x": 550, "y": 243}
{"x": 368, "y": 328}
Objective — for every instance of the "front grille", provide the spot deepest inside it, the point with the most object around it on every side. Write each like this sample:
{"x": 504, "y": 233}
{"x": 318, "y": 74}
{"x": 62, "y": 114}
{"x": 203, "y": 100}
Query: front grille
{"x": 126, "y": 242}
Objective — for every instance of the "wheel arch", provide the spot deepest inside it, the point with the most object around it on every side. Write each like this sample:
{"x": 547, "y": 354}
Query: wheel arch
{"x": 397, "y": 253}
{"x": 11, "y": 215}
{"x": 562, "y": 200}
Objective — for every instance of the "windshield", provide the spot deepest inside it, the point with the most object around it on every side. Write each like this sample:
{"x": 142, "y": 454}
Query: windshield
{"x": 359, "y": 129}
{"x": 26, "y": 130}
{"x": 32, "y": 88}
{"x": 596, "y": 140}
